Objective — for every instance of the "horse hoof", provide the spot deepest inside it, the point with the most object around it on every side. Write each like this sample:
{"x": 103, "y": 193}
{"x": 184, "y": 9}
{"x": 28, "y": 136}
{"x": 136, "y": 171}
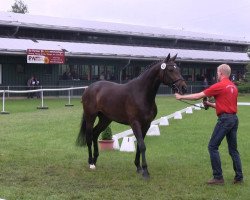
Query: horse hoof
{"x": 139, "y": 170}
{"x": 145, "y": 175}
{"x": 92, "y": 166}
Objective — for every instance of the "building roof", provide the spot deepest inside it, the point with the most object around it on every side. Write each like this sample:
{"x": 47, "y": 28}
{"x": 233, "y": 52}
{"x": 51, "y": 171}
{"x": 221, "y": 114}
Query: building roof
{"x": 20, "y": 46}
{"x": 35, "y": 21}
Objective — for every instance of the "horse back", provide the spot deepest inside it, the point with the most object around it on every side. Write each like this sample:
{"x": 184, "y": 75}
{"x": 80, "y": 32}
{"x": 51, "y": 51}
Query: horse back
{"x": 106, "y": 97}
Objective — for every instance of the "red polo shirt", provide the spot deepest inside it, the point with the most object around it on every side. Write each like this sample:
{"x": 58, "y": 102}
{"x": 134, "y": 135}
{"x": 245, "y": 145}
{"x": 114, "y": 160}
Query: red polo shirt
{"x": 225, "y": 94}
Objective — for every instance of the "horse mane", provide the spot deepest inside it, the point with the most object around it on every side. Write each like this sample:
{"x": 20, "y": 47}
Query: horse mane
{"x": 149, "y": 66}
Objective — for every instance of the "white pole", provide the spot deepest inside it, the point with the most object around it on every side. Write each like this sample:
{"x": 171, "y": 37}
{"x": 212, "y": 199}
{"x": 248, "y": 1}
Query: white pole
{"x": 69, "y": 95}
{"x": 69, "y": 104}
{"x": 8, "y": 90}
{"x": 42, "y": 107}
{"x": 3, "y": 111}
{"x": 3, "y": 100}
{"x": 42, "y": 97}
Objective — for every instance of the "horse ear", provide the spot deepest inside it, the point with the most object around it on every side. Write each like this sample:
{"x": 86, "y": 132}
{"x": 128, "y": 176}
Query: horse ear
{"x": 173, "y": 59}
{"x": 167, "y": 58}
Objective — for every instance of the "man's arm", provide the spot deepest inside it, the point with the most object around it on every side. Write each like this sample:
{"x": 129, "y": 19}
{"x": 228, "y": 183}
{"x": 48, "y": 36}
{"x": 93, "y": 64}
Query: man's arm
{"x": 194, "y": 96}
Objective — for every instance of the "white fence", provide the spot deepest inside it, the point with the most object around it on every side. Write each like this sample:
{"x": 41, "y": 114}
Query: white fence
{"x": 4, "y": 92}
{"x": 155, "y": 122}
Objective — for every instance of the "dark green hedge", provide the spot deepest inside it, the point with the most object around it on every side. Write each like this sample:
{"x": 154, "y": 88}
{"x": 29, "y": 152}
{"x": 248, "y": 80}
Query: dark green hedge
{"x": 244, "y": 88}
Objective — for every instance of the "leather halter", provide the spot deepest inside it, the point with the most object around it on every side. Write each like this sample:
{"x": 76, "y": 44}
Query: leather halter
{"x": 173, "y": 85}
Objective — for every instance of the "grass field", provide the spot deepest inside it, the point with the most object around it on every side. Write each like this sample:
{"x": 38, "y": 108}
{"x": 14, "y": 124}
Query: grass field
{"x": 39, "y": 159}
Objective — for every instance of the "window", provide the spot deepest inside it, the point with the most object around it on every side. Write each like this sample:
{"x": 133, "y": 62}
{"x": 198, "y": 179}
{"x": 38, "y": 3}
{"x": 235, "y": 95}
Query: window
{"x": 95, "y": 72}
{"x": 187, "y": 73}
{"x": 227, "y": 48}
{"x": 198, "y": 74}
{"x": 84, "y": 72}
{"x": 87, "y": 72}
{"x": 20, "y": 69}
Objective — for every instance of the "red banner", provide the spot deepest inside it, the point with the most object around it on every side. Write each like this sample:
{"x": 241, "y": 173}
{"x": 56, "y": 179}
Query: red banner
{"x": 45, "y": 56}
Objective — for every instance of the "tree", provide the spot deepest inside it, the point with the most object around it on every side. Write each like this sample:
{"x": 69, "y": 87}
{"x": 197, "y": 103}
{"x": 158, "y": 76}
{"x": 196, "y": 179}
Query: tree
{"x": 19, "y": 7}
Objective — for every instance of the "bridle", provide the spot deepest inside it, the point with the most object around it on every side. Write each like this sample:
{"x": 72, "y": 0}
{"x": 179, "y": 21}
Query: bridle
{"x": 174, "y": 86}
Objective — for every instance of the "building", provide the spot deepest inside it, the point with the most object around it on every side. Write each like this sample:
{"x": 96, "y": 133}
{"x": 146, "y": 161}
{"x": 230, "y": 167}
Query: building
{"x": 112, "y": 51}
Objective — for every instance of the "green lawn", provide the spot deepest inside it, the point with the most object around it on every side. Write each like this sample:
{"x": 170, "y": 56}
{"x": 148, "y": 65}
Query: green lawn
{"x": 39, "y": 159}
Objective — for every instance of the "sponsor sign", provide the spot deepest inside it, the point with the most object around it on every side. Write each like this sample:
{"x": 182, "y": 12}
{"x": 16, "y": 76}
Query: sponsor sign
{"x": 45, "y": 56}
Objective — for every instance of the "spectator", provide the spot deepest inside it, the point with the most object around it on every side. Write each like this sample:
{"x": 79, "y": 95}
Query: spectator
{"x": 67, "y": 75}
{"x": 102, "y": 77}
{"x": 31, "y": 86}
{"x": 213, "y": 80}
{"x": 205, "y": 83}
{"x": 37, "y": 84}
{"x": 108, "y": 76}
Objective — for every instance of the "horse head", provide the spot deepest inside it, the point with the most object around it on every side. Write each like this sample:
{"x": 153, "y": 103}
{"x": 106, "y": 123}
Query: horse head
{"x": 170, "y": 75}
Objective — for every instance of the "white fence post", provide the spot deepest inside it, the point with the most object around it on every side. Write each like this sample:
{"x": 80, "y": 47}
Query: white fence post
{"x": 42, "y": 106}
{"x": 69, "y": 104}
{"x": 8, "y": 90}
{"x": 3, "y": 111}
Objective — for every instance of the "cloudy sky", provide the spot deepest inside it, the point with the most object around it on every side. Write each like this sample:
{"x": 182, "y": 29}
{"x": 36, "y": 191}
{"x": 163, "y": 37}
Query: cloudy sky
{"x": 226, "y": 17}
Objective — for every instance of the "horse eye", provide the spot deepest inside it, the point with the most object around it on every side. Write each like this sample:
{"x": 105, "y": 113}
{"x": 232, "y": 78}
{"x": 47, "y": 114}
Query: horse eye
{"x": 172, "y": 68}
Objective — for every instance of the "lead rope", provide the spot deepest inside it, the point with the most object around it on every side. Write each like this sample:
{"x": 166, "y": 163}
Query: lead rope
{"x": 202, "y": 107}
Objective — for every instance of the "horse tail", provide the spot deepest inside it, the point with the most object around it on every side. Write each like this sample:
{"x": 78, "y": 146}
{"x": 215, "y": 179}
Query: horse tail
{"x": 81, "y": 139}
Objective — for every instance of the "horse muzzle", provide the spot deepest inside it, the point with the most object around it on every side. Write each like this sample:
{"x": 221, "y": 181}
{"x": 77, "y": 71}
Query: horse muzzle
{"x": 179, "y": 87}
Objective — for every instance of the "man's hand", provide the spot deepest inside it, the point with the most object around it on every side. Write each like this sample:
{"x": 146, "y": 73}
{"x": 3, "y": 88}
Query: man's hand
{"x": 205, "y": 103}
{"x": 209, "y": 104}
{"x": 178, "y": 96}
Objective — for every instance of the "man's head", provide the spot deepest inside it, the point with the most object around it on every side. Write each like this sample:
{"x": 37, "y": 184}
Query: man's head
{"x": 223, "y": 71}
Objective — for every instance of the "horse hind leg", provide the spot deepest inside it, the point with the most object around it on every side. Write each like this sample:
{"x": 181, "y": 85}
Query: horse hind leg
{"x": 101, "y": 126}
{"x": 89, "y": 138}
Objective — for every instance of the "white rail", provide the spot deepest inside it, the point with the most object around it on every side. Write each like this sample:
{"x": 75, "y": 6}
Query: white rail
{"x": 38, "y": 90}
{"x": 155, "y": 122}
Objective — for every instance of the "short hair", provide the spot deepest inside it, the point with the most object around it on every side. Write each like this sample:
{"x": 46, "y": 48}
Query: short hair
{"x": 225, "y": 69}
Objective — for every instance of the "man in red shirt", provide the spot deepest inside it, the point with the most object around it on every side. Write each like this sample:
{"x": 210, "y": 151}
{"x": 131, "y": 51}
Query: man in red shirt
{"x": 225, "y": 94}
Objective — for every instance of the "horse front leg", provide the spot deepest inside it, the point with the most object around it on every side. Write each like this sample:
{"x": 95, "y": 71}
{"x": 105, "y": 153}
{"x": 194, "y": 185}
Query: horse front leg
{"x": 145, "y": 172}
{"x": 137, "y": 160}
{"x": 137, "y": 129}
{"x": 145, "y": 128}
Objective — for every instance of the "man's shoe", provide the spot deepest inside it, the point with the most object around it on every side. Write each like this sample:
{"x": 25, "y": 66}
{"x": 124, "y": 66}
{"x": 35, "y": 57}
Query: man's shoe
{"x": 216, "y": 181}
{"x": 237, "y": 181}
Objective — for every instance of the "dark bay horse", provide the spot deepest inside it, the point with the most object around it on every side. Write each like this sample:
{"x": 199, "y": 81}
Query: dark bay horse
{"x": 132, "y": 104}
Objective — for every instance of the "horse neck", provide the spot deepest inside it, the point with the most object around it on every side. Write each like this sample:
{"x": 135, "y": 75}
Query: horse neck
{"x": 150, "y": 82}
